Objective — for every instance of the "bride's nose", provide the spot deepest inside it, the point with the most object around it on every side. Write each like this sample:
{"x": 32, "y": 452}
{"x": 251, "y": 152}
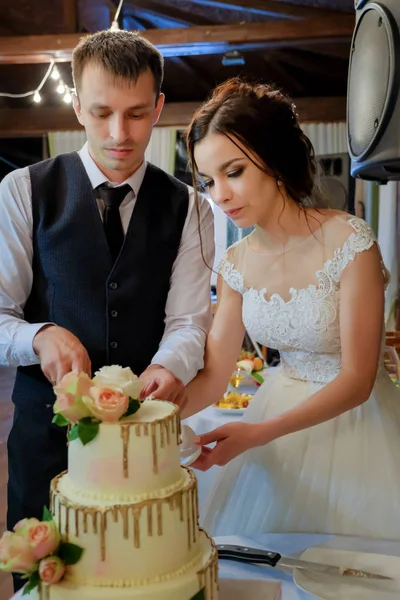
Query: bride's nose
{"x": 221, "y": 192}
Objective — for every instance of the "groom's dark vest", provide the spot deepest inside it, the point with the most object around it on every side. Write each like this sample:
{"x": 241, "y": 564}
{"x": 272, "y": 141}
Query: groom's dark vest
{"x": 116, "y": 310}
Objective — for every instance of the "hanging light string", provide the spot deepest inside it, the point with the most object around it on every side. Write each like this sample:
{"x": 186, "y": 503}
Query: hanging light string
{"x": 33, "y": 92}
{"x": 54, "y": 73}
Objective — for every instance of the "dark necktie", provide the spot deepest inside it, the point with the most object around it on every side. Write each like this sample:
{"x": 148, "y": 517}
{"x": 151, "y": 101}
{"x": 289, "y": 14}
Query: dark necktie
{"x": 112, "y": 198}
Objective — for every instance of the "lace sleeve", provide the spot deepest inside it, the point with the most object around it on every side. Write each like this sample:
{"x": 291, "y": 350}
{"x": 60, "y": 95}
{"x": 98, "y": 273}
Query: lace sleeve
{"x": 361, "y": 239}
{"x": 228, "y": 272}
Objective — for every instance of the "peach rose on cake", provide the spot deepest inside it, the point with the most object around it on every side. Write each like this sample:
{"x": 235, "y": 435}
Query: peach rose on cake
{"x": 51, "y": 569}
{"x": 42, "y": 537}
{"x": 107, "y": 403}
{"x": 119, "y": 377}
{"x": 69, "y": 392}
{"x": 16, "y": 554}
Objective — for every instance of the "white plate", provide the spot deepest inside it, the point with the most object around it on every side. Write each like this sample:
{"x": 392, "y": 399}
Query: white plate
{"x": 189, "y": 451}
{"x": 229, "y": 411}
{"x": 328, "y": 587}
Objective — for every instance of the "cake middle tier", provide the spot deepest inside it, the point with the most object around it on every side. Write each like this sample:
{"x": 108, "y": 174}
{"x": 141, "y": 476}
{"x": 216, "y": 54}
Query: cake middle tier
{"x": 130, "y": 544}
{"x": 133, "y": 458}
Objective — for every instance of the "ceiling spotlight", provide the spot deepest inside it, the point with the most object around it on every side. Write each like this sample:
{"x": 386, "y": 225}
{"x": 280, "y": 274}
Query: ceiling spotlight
{"x": 233, "y": 57}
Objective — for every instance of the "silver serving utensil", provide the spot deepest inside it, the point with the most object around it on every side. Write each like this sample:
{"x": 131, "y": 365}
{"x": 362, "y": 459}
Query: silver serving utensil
{"x": 274, "y": 559}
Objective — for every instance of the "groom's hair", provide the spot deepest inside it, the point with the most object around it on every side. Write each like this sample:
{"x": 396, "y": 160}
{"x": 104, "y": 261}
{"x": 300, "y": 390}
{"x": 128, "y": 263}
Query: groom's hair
{"x": 125, "y": 55}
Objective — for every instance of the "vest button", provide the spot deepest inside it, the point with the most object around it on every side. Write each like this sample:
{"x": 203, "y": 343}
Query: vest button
{"x": 113, "y": 285}
{"x": 114, "y": 313}
{"x": 114, "y": 344}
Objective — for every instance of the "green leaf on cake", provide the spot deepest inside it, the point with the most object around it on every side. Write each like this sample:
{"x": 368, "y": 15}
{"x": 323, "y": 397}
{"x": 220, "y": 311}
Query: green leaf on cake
{"x": 47, "y": 515}
{"x": 69, "y": 553}
{"x": 201, "y": 595}
{"x": 73, "y": 434}
{"x": 88, "y": 428}
{"x": 133, "y": 407}
{"x": 60, "y": 420}
{"x": 33, "y": 581}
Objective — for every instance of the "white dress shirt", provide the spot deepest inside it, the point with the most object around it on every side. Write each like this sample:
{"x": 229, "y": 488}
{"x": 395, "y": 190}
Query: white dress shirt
{"x": 188, "y": 312}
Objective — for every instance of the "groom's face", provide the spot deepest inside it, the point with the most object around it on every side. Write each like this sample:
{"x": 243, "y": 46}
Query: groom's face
{"x": 118, "y": 116}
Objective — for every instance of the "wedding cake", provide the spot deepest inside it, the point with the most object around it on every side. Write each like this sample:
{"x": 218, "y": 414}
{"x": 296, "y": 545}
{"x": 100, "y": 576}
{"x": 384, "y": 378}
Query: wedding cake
{"x": 133, "y": 509}
{"x": 125, "y": 502}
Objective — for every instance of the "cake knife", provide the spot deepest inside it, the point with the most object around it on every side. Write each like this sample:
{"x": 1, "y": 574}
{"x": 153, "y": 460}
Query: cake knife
{"x": 256, "y": 556}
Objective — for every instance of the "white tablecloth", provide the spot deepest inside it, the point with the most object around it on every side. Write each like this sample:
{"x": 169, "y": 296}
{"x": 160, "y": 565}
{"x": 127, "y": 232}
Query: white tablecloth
{"x": 290, "y": 545}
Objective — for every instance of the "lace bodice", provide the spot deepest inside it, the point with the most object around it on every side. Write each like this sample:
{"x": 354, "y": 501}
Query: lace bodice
{"x": 304, "y": 323}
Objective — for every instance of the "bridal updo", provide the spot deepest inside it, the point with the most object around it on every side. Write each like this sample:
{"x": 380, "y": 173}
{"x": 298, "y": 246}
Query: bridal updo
{"x": 264, "y": 121}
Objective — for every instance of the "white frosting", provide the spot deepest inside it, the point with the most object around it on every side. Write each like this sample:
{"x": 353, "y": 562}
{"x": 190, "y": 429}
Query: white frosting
{"x": 152, "y": 456}
{"x": 131, "y": 544}
{"x": 183, "y": 587}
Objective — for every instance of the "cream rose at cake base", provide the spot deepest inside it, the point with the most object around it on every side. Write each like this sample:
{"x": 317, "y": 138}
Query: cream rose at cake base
{"x": 127, "y": 501}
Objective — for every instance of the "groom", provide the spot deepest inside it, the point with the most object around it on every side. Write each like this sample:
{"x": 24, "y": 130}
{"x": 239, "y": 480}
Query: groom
{"x": 101, "y": 261}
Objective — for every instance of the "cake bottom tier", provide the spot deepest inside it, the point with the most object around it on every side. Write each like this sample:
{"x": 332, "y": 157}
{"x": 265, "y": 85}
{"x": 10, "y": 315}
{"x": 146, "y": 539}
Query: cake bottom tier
{"x": 203, "y": 576}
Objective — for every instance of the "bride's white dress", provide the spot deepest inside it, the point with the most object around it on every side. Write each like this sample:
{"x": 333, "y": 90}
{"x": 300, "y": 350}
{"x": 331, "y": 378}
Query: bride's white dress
{"x": 342, "y": 476}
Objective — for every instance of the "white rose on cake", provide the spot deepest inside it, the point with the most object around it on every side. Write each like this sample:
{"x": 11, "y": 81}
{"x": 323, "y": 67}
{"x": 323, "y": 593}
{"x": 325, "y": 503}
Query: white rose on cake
{"x": 119, "y": 377}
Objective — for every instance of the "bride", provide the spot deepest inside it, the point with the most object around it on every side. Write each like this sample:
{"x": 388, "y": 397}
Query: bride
{"x": 319, "y": 447}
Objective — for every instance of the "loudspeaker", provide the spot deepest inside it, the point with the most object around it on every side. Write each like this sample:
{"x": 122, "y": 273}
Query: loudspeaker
{"x": 336, "y": 183}
{"x": 373, "y": 99}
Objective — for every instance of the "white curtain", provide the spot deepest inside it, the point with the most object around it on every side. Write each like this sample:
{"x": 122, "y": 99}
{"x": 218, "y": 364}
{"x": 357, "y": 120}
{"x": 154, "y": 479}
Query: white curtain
{"x": 160, "y": 151}
{"x": 327, "y": 138}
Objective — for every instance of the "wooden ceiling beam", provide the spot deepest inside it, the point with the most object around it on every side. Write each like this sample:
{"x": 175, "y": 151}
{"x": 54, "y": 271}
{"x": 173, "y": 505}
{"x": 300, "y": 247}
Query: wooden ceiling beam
{"x": 181, "y": 42}
{"x": 18, "y": 122}
{"x": 270, "y": 8}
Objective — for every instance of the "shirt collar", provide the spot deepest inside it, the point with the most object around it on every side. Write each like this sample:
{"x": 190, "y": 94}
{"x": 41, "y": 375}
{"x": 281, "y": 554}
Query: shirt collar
{"x": 97, "y": 178}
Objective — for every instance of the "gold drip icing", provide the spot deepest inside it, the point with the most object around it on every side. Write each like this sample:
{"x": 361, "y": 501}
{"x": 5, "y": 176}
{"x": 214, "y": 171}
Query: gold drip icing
{"x": 154, "y": 446}
{"x": 188, "y": 520}
{"x": 142, "y": 428}
{"x": 85, "y": 520}
{"x": 125, "y": 429}
{"x": 76, "y": 523}
{"x": 150, "y": 520}
{"x": 94, "y": 518}
{"x": 99, "y": 514}
{"x": 66, "y": 521}
{"x": 124, "y": 513}
{"x": 208, "y": 575}
{"x": 44, "y": 591}
{"x": 159, "y": 519}
{"x": 103, "y": 527}
{"x": 136, "y": 529}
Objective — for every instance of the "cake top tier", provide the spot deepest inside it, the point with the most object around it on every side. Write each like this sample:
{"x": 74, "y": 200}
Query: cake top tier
{"x": 131, "y": 460}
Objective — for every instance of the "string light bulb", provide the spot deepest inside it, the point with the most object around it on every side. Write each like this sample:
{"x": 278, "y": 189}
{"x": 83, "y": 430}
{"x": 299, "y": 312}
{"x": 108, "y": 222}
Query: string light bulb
{"x": 37, "y": 97}
{"x": 55, "y": 74}
{"x": 67, "y": 97}
{"x": 60, "y": 88}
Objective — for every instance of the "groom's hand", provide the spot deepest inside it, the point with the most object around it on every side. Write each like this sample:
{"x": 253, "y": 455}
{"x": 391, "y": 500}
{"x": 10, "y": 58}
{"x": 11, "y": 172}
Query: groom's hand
{"x": 163, "y": 385}
{"x": 60, "y": 352}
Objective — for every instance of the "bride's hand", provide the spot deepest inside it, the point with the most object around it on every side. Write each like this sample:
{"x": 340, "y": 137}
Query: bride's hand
{"x": 232, "y": 439}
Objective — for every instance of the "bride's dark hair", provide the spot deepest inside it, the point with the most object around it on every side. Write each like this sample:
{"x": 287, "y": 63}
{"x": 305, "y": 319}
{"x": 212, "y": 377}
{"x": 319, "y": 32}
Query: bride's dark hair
{"x": 264, "y": 121}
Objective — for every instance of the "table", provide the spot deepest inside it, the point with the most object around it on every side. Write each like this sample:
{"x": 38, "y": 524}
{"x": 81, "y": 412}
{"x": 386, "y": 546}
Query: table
{"x": 290, "y": 544}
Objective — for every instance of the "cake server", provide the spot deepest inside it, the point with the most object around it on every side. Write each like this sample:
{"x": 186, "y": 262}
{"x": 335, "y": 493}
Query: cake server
{"x": 256, "y": 556}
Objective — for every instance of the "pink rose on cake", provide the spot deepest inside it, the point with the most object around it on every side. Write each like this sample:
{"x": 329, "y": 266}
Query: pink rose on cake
{"x": 51, "y": 569}
{"x": 107, "y": 403}
{"x": 42, "y": 537}
{"x": 119, "y": 377}
{"x": 69, "y": 394}
{"x": 16, "y": 554}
